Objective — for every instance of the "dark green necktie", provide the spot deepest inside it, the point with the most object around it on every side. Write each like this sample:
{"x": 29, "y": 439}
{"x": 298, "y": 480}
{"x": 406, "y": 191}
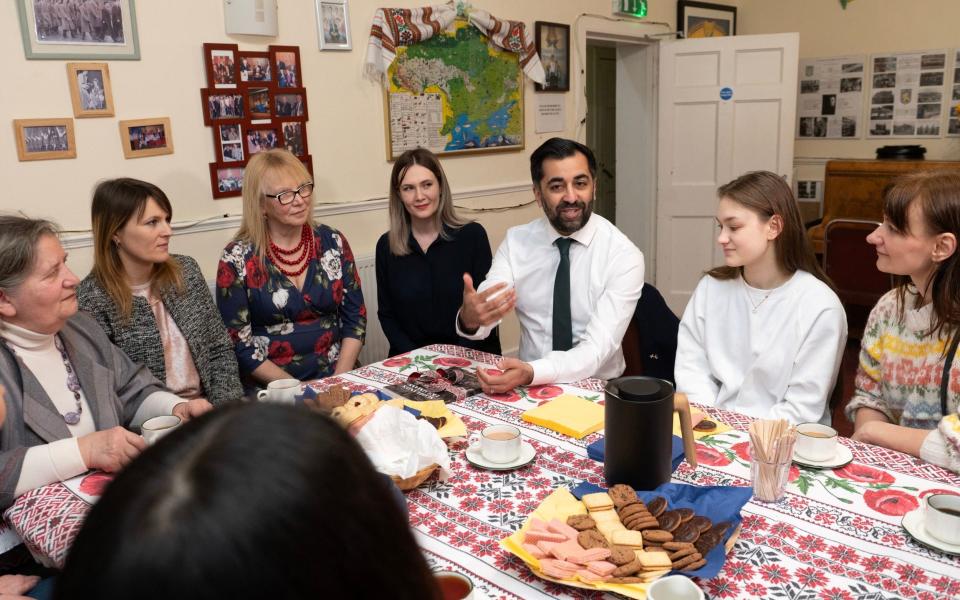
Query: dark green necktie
{"x": 562, "y": 324}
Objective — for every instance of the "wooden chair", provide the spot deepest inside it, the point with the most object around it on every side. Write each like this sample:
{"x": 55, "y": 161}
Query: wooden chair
{"x": 851, "y": 263}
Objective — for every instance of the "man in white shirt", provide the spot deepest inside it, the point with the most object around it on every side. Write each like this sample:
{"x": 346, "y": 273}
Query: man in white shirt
{"x": 572, "y": 276}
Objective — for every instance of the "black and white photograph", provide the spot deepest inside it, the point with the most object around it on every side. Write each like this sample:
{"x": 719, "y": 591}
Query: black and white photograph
{"x": 882, "y": 97}
{"x": 819, "y": 127}
{"x": 90, "y": 91}
{"x": 333, "y": 24}
{"x": 230, "y": 133}
{"x": 928, "y": 111}
{"x": 933, "y": 61}
{"x": 904, "y": 128}
{"x": 880, "y": 128}
{"x": 848, "y": 127}
{"x": 954, "y": 127}
{"x": 881, "y": 112}
{"x": 851, "y": 84}
{"x": 79, "y": 21}
{"x": 931, "y": 79}
{"x": 809, "y": 86}
{"x": 885, "y": 80}
{"x": 828, "y": 104}
{"x": 956, "y": 92}
{"x": 931, "y": 129}
{"x": 929, "y": 96}
{"x": 852, "y": 68}
{"x": 43, "y": 139}
{"x": 884, "y": 64}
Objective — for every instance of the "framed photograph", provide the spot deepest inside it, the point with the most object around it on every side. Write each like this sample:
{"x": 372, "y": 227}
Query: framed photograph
{"x": 333, "y": 24}
{"x": 291, "y": 103}
{"x": 294, "y": 137}
{"x": 222, "y": 67}
{"x": 704, "y": 19}
{"x": 263, "y": 137}
{"x": 286, "y": 64}
{"x": 258, "y": 102}
{"x": 105, "y": 30}
{"x": 218, "y": 106}
{"x": 44, "y": 139}
{"x": 90, "y": 90}
{"x": 146, "y": 137}
{"x": 230, "y": 142}
{"x": 226, "y": 180}
{"x": 553, "y": 46}
{"x": 255, "y": 67}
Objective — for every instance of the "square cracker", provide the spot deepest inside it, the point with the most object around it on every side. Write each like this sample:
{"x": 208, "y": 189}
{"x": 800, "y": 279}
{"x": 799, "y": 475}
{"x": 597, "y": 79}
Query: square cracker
{"x": 597, "y": 501}
{"x": 654, "y": 560}
{"x": 626, "y": 537}
{"x": 605, "y": 516}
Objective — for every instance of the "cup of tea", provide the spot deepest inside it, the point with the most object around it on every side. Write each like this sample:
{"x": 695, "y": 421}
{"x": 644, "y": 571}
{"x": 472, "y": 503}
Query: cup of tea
{"x": 498, "y": 443}
{"x": 283, "y": 391}
{"x": 674, "y": 587}
{"x": 942, "y": 517}
{"x": 453, "y": 585}
{"x": 816, "y": 441}
{"x": 155, "y": 428}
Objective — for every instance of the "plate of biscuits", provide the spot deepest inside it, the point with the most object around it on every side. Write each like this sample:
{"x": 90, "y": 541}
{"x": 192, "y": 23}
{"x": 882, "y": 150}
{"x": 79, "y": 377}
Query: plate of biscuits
{"x": 620, "y": 540}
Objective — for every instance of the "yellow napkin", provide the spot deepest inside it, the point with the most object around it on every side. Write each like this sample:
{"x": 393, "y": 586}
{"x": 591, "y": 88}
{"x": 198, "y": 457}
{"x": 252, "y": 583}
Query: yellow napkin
{"x": 454, "y": 427}
{"x": 570, "y": 415}
{"x": 696, "y": 416}
{"x": 560, "y": 505}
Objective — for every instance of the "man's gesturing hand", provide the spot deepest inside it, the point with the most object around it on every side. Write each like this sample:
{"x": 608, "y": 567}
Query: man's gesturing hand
{"x": 484, "y": 308}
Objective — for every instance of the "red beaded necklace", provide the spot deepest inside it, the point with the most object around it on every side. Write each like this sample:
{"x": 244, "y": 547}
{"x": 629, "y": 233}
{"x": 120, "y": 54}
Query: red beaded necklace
{"x": 306, "y": 250}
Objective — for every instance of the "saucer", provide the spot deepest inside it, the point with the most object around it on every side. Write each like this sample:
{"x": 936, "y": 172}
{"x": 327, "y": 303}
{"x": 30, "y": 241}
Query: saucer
{"x": 913, "y": 523}
{"x": 843, "y": 457}
{"x": 475, "y": 458}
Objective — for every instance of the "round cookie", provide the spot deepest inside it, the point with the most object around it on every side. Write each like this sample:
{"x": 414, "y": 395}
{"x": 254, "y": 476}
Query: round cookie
{"x": 621, "y": 555}
{"x": 705, "y": 425}
{"x": 685, "y": 514}
{"x": 632, "y": 509}
{"x": 696, "y": 565}
{"x": 687, "y": 532}
{"x": 657, "y": 536}
{"x": 628, "y": 569}
{"x": 581, "y": 522}
{"x": 657, "y": 506}
{"x": 622, "y": 495}
{"x": 702, "y": 523}
{"x": 669, "y": 520}
{"x": 592, "y": 539}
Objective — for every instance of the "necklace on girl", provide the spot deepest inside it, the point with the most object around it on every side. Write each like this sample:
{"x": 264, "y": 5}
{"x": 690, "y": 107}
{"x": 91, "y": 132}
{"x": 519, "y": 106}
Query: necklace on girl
{"x": 305, "y": 249}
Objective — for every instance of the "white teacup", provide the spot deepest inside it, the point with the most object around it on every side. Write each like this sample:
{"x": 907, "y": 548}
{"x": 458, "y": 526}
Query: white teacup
{"x": 283, "y": 391}
{"x": 155, "y": 428}
{"x": 941, "y": 517}
{"x": 674, "y": 587}
{"x": 498, "y": 443}
{"x": 816, "y": 441}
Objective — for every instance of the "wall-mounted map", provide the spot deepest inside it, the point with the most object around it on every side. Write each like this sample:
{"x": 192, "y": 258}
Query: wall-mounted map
{"x": 454, "y": 93}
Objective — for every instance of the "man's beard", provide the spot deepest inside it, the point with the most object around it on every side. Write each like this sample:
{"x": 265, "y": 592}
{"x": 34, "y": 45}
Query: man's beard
{"x": 569, "y": 227}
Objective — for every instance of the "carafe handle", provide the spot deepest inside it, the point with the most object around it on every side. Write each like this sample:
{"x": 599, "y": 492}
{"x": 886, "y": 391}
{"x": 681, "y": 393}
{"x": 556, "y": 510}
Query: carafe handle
{"x": 682, "y": 406}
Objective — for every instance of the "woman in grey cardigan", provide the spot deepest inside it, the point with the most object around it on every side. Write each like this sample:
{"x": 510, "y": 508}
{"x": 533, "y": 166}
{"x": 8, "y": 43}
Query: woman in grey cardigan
{"x": 155, "y": 306}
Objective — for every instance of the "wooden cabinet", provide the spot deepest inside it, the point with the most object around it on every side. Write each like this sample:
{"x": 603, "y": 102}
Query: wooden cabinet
{"x": 853, "y": 189}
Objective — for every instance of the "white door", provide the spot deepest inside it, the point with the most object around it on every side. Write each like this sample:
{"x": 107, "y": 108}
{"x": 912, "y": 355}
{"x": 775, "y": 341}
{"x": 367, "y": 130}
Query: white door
{"x": 726, "y": 106}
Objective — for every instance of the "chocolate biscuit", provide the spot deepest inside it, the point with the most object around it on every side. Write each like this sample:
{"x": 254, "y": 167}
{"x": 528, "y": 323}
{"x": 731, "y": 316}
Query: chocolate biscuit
{"x": 657, "y": 506}
{"x": 628, "y": 569}
{"x": 675, "y": 545}
{"x": 685, "y": 514}
{"x": 669, "y": 520}
{"x": 592, "y": 538}
{"x": 622, "y": 495}
{"x": 621, "y": 555}
{"x": 581, "y": 522}
{"x": 687, "y": 532}
{"x": 686, "y": 561}
{"x": 702, "y": 523}
{"x": 657, "y": 536}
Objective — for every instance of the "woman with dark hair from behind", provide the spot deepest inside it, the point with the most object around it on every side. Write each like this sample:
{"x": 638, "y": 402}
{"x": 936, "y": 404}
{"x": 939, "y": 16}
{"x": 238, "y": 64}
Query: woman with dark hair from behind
{"x": 423, "y": 259}
{"x": 250, "y": 501}
{"x": 908, "y": 381}
{"x": 763, "y": 334}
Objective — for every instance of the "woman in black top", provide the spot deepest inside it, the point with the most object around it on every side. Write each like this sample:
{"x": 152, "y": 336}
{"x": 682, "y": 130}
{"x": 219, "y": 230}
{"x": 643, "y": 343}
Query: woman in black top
{"x": 421, "y": 261}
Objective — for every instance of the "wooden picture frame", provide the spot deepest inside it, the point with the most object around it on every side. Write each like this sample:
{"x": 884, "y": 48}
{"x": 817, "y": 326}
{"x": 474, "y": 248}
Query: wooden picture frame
{"x": 222, "y": 63}
{"x": 256, "y": 68}
{"x": 146, "y": 137}
{"x": 226, "y": 179}
{"x": 65, "y": 38}
{"x": 294, "y": 136}
{"x": 222, "y": 105}
{"x": 553, "y": 46}
{"x": 333, "y": 24}
{"x": 258, "y": 104}
{"x": 287, "y": 66}
{"x": 90, "y": 90}
{"x": 44, "y": 139}
{"x": 291, "y": 104}
{"x": 705, "y": 19}
{"x": 228, "y": 140}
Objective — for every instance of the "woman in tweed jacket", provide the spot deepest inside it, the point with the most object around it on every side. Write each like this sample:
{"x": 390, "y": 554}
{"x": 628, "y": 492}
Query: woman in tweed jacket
{"x": 154, "y": 305}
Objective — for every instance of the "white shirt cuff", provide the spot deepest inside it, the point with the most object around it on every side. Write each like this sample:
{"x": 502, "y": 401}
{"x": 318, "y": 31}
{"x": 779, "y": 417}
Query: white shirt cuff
{"x": 156, "y": 404}
{"x": 544, "y": 371}
{"x": 49, "y": 463}
{"x": 934, "y": 449}
{"x": 480, "y": 334}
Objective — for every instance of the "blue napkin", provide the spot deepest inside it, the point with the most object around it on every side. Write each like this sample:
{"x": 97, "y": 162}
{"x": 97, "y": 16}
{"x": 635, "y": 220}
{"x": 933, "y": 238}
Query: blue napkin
{"x": 717, "y": 503}
{"x": 596, "y": 452}
{"x": 309, "y": 392}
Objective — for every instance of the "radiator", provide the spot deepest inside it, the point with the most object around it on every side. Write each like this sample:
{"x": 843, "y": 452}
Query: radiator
{"x": 375, "y": 347}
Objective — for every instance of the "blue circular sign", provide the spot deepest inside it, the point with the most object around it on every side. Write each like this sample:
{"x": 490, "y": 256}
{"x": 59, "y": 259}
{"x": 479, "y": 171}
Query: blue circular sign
{"x": 726, "y": 93}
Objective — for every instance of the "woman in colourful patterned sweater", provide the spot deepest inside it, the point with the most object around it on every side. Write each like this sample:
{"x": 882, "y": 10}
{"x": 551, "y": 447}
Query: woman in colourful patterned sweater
{"x": 908, "y": 383}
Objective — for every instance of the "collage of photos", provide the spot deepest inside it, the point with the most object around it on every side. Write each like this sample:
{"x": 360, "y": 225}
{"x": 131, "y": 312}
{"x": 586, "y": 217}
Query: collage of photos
{"x": 252, "y": 103}
{"x": 908, "y": 94}
{"x": 831, "y": 97}
{"x": 953, "y": 123}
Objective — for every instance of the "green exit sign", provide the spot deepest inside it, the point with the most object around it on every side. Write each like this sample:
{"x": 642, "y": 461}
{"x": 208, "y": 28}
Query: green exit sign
{"x": 633, "y": 8}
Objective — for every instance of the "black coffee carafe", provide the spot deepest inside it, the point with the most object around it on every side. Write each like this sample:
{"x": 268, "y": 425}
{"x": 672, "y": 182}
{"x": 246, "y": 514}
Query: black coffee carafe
{"x": 638, "y": 423}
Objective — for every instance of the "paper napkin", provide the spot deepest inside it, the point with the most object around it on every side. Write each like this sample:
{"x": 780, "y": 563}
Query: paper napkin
{"x": 569, "y": 415}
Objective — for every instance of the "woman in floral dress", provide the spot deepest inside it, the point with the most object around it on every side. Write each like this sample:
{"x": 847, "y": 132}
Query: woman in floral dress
{"x": 288, "y": 288}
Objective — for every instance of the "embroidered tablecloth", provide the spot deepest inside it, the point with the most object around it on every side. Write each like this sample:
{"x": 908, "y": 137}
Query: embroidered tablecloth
{"x": 836, "y": 534}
